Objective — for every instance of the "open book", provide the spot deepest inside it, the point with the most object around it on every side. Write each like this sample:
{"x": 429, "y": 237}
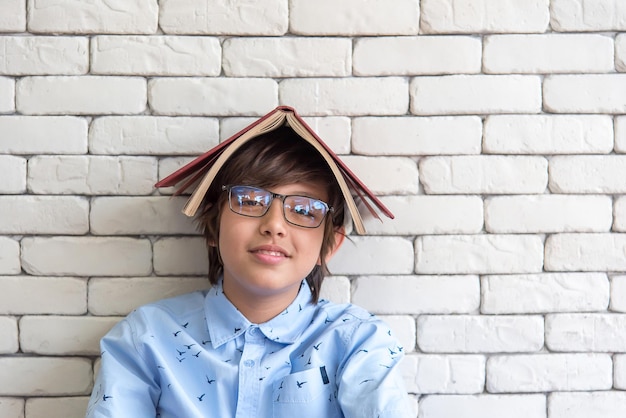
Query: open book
{"x": 206, "y": 166}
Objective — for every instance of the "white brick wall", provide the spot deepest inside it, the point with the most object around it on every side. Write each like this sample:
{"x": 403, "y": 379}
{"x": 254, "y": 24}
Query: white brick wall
{"x": 494, "y": 130}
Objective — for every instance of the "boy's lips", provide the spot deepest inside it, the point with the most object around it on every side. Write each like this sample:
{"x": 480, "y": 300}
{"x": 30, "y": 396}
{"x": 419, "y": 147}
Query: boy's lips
{"x": 270, "y": 250}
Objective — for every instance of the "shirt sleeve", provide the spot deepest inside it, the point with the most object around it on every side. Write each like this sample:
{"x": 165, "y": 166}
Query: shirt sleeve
{"x": 370, "y": 383}
{"x": 126, "y": 385}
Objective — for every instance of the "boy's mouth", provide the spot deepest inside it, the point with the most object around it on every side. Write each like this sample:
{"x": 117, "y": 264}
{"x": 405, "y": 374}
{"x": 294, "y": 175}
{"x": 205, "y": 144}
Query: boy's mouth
{"x": 270, "y": 250}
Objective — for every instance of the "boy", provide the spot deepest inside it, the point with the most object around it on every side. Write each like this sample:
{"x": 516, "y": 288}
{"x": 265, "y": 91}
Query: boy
{"x": 259, "y": 343}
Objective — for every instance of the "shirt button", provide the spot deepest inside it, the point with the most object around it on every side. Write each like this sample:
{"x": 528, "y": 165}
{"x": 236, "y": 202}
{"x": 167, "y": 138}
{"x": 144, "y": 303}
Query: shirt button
{"x": 248, "y": 363}
{"x": 254, "y": 331}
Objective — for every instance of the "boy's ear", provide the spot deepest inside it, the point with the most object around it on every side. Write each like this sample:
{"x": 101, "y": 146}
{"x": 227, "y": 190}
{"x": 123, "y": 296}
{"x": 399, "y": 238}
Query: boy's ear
{"x": 340, "y": 236}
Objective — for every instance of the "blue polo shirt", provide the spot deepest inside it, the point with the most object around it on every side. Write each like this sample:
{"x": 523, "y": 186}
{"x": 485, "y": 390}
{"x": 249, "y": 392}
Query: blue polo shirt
{"x": 196, "y": 355}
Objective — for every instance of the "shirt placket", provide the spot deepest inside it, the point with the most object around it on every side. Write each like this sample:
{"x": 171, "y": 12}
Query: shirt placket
{"x": 250, "y": 373}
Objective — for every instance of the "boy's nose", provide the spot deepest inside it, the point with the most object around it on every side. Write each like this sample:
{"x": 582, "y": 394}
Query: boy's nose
{"x": 273, "y": 222}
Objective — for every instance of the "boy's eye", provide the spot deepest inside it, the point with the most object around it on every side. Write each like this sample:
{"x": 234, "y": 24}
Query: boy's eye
{"x": 250, "y": 202}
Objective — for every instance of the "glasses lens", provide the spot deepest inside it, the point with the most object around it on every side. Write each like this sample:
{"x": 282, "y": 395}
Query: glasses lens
{"x": 304, "y": 211}
{"x": 249, "y": 201}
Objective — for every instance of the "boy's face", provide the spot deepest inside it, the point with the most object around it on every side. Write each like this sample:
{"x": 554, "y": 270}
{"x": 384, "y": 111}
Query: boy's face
{"x": 266, "y": 258}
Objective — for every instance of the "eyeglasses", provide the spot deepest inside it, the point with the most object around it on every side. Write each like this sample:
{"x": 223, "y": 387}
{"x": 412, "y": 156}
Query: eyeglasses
{"x": 255, "y": 202}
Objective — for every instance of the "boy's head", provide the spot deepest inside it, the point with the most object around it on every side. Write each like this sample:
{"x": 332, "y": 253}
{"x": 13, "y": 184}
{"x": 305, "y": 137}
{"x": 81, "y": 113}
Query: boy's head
{"x": 277, "y": 158}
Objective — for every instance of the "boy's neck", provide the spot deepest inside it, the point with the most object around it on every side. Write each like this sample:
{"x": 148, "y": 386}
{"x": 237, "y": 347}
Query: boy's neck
{"x": 259, "y": 309}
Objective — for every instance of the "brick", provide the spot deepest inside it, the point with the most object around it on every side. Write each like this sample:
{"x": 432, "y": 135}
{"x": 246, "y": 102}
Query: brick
{"x": 213, "y": 97}
{"x": 620, "y": 52}
{"x": 354, "y": 17}
{"x": 610, "y": 404}
{"x": 546, "y": 292}
{"x": 180, "y": 256}
{"x": 63, "y": 335}
{"x": 43, "y": 55}
{"x": 484, "y": 406}
{"x": 475, "y": 94}
{"x": 14, "y": 173}
{"x": 12, "y": 19}
{"x": 618, "y": 294}
{"x": 551, "y": 53}
{"x": 417, "y": 294}
{"x": 444, "y": 374}
{"x": 399, "y": 174}
{"x": 86, "y": 256}
{"x": 149, "y": 135}
{"x": 92, "y": 175}
{"x": 43, "y": 215}
{"x": 11, "y": 407}
{"x": 549, "y": 372}
{"x": 585, "y": 93}
{"x": 156, "y": 55}
{"x": 58, "y": 95}
{"x": 7, "y": 95}
{"x": 478, "y": 254}
{"x": 419, "y": 215}
{"x": 620, "y": 134}
{"x": 43, "y": 135}
{"x": 588, "y": 174}
{"x": 585, "y": 332}
{"x": 120, "y": 295}
{"x": 619, "y": 371}
{"x": 223, "y": 17}
{"x": 373, "y": 255}
{"x": 166, "y": 167}
{"x": 479, "y": 334}
{"x": 585, "y": 252}
{"x": 71, "y": 407}
{"x": 417, "y": 55}
{"x": 484, "y": 16}
{"x": 23, "y": 295}
{"x": 548, "y": 213}
{"x": 8, "y": 335}
{"x": 9, "y": 256}
{"x": 33, "y": 376}
{"x": 619, "y": 212}
{"x": 346, "y": 96}
{"x": 287, "y": 57}
{"x": 97, "y": 16}
{"x": 548, "y": 134}
{"x": 417, "y": 135}
{"x": 139, "y": 216}
{"x": 484, "y": 174}
{"x": 336, "y": 289}
{"x": 335, "y": 131}
{"x": 587, "y": 15}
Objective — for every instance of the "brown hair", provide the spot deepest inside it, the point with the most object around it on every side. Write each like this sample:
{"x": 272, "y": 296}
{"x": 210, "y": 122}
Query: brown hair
{"x": 275, "y": 158}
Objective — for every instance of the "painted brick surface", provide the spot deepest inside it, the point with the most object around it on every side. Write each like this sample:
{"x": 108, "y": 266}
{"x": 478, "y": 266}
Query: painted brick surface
{"x": 287, "y": 57}
{"x": 541, "y": 54}
{"x": 549, "y": 372}
{"x": 493, "y": 130}
{"x": 45, "y": 55}
{"x": 328, "y": 17}
{"x": 223, "y": 17}
{"x": 43, "y": 135}
{"x": 417, "y": 55}
{"x": 548, "y": 134}
{"x": 150, "y": 55}
{"x": 472, "y": 94}
{"x": 458, "y": 16}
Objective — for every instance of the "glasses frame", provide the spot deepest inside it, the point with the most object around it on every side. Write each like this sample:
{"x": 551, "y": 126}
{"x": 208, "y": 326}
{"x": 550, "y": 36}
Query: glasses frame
{"x": 273, "y": 195}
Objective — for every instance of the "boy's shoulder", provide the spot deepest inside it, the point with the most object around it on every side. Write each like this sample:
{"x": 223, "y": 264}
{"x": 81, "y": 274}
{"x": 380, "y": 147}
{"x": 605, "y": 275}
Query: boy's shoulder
{"x": 337, "y": 311}
{"x": 176, "y": 306}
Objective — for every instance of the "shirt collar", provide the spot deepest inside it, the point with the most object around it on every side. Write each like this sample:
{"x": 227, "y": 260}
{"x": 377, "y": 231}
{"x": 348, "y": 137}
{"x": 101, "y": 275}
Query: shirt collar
{"x": 225, "y": 322}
